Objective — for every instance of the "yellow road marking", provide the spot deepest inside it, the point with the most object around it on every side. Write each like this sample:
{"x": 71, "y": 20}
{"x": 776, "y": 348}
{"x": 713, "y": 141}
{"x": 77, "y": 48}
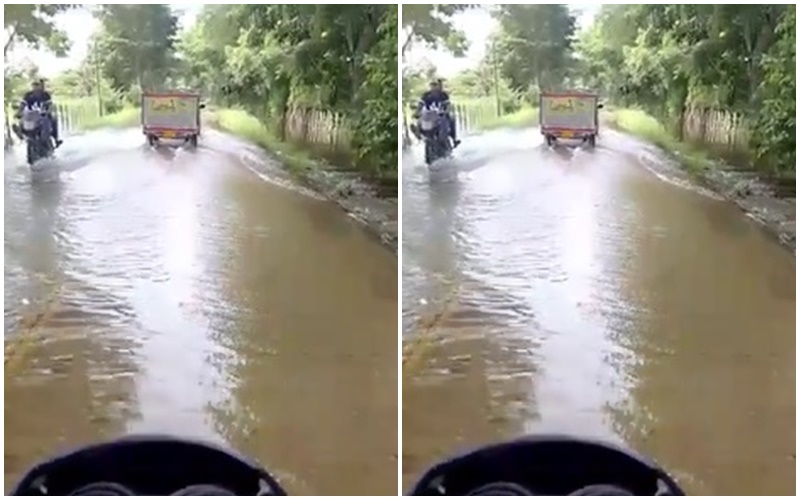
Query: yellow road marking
{"x": 423, "y": 340}
{"x": 17, "y": 348}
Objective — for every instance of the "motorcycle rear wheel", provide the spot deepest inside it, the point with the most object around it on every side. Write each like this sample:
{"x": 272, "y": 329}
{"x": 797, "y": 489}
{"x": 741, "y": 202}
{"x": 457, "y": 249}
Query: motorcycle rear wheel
{"x": 38, "y": 148}
{"x": 430, "y": 152}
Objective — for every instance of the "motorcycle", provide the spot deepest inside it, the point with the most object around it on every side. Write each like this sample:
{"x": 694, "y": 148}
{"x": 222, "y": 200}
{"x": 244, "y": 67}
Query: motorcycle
{"x": 435, "y": 130}
{"x": 164, "y": 465}
{"x": 549, "y": 465}
{"x": 36, "y": 129}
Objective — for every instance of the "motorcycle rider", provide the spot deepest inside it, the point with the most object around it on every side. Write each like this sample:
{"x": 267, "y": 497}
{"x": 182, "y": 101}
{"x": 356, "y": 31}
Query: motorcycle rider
{"x": 38, "y": 96}
{"x": 436, "y": 96}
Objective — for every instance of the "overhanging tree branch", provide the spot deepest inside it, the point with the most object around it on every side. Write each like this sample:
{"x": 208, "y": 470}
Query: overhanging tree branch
{"x": 10, "y": 41}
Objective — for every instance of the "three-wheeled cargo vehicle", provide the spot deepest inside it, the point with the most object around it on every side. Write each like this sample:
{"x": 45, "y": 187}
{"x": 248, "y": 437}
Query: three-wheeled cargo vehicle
{"x": 569, "y": 115}
{"x": 171, "y": 115}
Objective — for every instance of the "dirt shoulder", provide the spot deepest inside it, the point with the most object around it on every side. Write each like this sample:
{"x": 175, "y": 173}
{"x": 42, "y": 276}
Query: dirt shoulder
{"x": 361, "y": 198}
{"x": 758, "y": 197}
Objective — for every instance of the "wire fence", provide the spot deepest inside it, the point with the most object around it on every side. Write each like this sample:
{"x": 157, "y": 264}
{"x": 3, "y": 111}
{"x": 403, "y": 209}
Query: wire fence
{"x": 72, "y": 115}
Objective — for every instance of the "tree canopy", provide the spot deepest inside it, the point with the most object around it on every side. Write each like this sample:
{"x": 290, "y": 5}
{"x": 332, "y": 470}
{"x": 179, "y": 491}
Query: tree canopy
{"x": 665, "y": 58}
{"x": 534, "y": 44}
{"x": 532, "y": 48}
{"x": 266, "y": 59}
{"x": 135, "y": 44}
{"x": 432, "y": 25}
{"x": 339, "y": 58}
{"x": 34, "y": 25}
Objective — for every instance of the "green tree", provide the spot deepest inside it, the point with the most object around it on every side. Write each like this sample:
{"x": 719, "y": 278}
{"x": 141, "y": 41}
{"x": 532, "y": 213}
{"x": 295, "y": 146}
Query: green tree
{"x": 775, "y": 128}
{"x": 416, "y": 80}
{"x": 599, "y": 50}
{"x": 668, "y": 58}
{"x": 136, "y": 44}
{"x": 34, "y": 25}
{"x": 202, "y": 50}
{"x": 376, "y": 130}
{"x": 432, "y": 25}
{"x": 534, "y": 44}
{"x": 269, "y": 59}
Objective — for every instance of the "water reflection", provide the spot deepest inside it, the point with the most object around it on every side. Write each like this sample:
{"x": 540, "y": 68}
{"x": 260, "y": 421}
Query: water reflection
{"x": 595, "y": 298}
{"x": 196, "y": 299}
{"x": 698, "y": 320}
{"x": 312, "y": 366}
{"x": 63, "y": 359}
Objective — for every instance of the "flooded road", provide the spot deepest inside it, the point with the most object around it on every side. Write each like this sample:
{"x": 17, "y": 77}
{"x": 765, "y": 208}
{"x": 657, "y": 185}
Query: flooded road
{"x": 178, "y": 291}
{"x": 578, "y": 291}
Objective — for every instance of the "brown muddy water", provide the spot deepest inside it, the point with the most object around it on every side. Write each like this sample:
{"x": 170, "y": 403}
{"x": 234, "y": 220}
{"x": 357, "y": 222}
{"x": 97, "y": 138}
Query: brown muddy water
{"x": 590, "y": 292}
{"x": 180, "y": 292}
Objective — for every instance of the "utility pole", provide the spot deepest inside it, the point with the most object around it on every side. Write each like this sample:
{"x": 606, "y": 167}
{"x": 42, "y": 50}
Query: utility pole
{"x": 97, "y": 78}
{"x": 496, "y": 77}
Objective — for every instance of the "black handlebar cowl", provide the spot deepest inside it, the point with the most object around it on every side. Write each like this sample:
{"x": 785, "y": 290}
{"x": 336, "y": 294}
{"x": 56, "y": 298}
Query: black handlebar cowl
{"x": 547, "y": 465}
{"x": 149, "y": 465}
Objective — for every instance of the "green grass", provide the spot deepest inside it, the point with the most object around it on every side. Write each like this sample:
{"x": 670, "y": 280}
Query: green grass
{"x": 246, "y": 126}
{"x": 642, "y": 125}
{"x": 83, "y": 114}
{"x": 480, "y": 114}
{"x": 523, "y": 118}
{"x": 124, "y": 118}
{"x": 475, "y": 102}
